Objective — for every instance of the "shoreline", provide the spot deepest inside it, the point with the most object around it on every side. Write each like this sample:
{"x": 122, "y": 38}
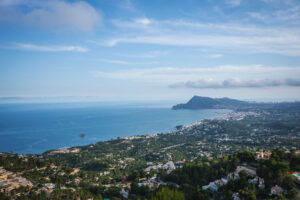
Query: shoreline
{"x": 233, "y": 115}
{"x": 69, "y": 149}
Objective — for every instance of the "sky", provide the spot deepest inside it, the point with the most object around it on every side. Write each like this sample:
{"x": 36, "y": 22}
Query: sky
{"x": 136, "y": 50}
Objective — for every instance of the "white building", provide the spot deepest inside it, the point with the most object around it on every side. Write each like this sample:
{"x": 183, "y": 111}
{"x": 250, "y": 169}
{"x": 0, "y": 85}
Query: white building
{"x": 211, "y": 186}
{"x": 276, "y": 190}
{"x": 124, "y": 193}
{"x": 169, "y": 166}
{"x": 50, "y": 186}
{"x": 236, "y": 196}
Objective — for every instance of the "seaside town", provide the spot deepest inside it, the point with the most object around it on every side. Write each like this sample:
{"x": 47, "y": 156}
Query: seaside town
{"x": 232, "y": 148}
{"x": 149, "y": 99}
{"x": 10, "y": 181}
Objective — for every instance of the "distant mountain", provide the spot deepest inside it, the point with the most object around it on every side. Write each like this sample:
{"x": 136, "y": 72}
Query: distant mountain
{"x": 198, "y": 102}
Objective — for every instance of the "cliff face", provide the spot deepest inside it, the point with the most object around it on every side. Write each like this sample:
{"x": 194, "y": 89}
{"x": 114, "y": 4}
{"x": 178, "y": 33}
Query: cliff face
{"x": 198, "y": 102}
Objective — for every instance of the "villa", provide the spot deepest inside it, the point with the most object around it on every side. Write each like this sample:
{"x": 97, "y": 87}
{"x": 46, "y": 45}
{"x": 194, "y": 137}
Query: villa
{"x": 169, "y": 166}
{"x": 297, "y": 175}
{"x": 276, "y": 190}
{"x": 236, "y": 196}
{"x": 258, "y": 181}
{"x": 263, "y": 155}
{"x": 211, "y": 186}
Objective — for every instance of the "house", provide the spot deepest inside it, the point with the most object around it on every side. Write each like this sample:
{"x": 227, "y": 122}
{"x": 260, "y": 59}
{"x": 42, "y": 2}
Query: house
{"x": 263, "y": 155}
{"x": 75, "y": 171}
{"x": 233, "y": 176}
{"x": 50, "y": 186}
{"x": 211, "y": 186}
{"x": 124, "y": 178}
{"x": 276, "y": 190}
{"x": 77, "y": 180}
{"x": 253, "y": 181}
{"x": 224, "y": 180}
{"x": 74, "y": 150}
{"x": 48, "y": 191}
{"x": 169, "y": 166}
{"x": 214, "y": 186}
{"x": 53, "y": 166}
{"x": 10, "y": 181}
{"x": 261, "y": 183}
{"x": 106, "y": 173}
{"x": 124, "y": 193}
{"x": 220, "y": 182}
{"x": 258, "y": 181}
{"x": 297, "y": 175}
{"x": 236, "y": 196}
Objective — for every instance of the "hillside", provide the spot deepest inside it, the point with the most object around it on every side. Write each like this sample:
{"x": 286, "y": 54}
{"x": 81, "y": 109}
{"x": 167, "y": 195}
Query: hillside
{"x": 198, "y": 102}
{"x": 192, "y": 162}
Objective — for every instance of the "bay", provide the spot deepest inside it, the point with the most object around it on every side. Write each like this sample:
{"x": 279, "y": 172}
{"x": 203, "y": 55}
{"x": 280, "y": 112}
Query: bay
{"x": 35, "y": 128}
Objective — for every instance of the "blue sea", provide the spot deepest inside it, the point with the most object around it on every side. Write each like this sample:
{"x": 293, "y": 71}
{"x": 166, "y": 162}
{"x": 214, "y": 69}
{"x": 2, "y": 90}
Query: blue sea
{"x": 35, "y": 128}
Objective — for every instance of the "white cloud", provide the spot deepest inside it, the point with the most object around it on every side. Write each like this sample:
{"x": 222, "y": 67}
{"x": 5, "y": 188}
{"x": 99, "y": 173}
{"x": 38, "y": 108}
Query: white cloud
{"x": 127, "y": 5}
{"x": 289, "y": 45}
{"x": 288, "y": 15}
{"x": 33, "y": 47}
{"x": 151, "y": 54}
{"x": 122, "y": 62}
{"x": 241, "y": 38}
{"x": 169, "y": 75}
{"x": 53, "y": 15}
{"x": 233, "y": 3}
{"x": 10, "y": 2}
{"x": 236, "y": 83}
{"x": 143, "y": 21}
{"x": 137, "y": 23}
{"x": 289, "y": 2}
{"x": 215, "y": 56}
{"x": 259, "y": 16}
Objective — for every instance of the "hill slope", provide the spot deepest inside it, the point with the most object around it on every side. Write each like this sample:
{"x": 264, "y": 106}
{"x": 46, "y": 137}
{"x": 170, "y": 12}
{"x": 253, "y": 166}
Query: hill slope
{"x": 198, "y": 102}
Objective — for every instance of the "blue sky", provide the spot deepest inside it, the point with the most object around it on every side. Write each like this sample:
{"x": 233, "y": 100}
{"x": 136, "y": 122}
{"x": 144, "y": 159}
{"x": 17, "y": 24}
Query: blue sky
{"x": 150, "y": 50}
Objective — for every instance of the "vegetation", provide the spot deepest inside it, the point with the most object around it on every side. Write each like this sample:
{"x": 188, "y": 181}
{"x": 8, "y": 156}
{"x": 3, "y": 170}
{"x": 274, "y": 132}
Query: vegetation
{"x": 203, "y": 153}
{"x": 198, "y": 102}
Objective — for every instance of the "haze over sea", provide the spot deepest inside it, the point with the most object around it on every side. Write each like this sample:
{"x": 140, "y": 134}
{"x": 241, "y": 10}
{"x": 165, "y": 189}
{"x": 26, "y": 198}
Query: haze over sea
{"x": 35, "y": 128}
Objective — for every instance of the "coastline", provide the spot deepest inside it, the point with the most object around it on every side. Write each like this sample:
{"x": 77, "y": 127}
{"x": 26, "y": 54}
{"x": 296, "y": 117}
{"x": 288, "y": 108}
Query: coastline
{"x": 233, "y": 115}
{"x": 143, "y": 128}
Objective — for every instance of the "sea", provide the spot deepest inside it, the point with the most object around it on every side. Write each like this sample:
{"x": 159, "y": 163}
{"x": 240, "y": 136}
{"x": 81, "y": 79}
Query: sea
{"x": 32, "y": 128}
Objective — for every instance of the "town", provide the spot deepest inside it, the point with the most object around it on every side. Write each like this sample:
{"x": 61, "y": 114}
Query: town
{"x": 139, "y": 166}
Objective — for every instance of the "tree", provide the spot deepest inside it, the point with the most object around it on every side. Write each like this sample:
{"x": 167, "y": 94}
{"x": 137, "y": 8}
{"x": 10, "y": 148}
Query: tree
{"x": 287, "y": 182}
{"x": 3, "y": 196}
{"x": 134, "y": 188}
{"x": 246, "y": 156}
{"x": 166, "y": 193}
{"x": 292, "y": 193}
{"x": 112, "y": 192}
{"x": 134, "y": 175}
